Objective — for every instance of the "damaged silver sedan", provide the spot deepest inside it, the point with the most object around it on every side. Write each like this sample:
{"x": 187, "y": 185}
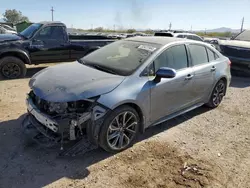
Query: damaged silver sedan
{"x": 121, "y": 89}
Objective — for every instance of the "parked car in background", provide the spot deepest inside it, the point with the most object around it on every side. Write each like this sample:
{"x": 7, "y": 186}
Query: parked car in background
{"x": 179, "y": 35}
{"x": 44, "y": 42}
{"x": 5, "y": 29}
{"x": 123, "y": 88}
{"x": 238, "y": 51}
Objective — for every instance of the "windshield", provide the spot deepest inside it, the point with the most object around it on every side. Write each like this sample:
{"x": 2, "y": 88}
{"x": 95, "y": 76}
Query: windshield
{"x": 30, "y": 31}
{"x": 121, "y": 57}
{"x": 163, "y": 34}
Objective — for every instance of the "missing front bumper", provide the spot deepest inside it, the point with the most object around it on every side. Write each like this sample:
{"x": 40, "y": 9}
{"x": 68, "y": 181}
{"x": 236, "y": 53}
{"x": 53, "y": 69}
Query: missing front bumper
{"x": 39, "y": 133}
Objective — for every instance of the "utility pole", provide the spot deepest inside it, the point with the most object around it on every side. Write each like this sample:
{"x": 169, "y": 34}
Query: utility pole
{"x": 191, "y": 28}
{"x": 242, "y": 24}
{"x": 114, "y": 27}
{"x": 170, "y": 26}
{"x": 52, "y": 13}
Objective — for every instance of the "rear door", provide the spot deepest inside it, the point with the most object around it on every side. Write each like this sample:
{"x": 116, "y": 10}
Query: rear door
{"x": 50, "y": 45}
{"x": 204, "y": 71}
{"x": 171, "y": 94}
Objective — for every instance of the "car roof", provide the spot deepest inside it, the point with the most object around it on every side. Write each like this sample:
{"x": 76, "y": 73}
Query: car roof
{"x": 52, "y": 23}
{"x": 156, "y": 39}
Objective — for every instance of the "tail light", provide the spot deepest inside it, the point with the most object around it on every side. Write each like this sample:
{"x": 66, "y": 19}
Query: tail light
{"x": 229, "y": 63}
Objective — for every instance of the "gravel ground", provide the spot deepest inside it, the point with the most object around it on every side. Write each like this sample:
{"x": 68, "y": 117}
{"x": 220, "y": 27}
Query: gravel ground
{"x": 203, "y": 148}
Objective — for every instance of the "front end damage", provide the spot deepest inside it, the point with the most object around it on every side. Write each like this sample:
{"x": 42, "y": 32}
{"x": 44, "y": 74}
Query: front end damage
{"x": 58, "y": 123}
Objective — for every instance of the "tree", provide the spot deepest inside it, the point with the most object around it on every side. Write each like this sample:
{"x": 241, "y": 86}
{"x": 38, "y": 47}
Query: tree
{"x": 98, "y": 29}
{"x": 131, "y": 30}
{"x": 149, "y": 31}
{"x": 14, "y": 16}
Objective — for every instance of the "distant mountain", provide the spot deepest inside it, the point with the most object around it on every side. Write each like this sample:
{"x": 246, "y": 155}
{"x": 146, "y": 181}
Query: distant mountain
{"x": 221, "y": 30}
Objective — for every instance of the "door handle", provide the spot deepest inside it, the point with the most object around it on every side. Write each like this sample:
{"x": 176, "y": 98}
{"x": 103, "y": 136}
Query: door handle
{"x": 189, "y": 77}
{"x": 213, "y": 68}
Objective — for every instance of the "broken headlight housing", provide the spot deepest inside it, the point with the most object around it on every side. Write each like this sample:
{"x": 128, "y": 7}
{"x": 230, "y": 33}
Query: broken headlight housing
{"x": 58, "y": 107}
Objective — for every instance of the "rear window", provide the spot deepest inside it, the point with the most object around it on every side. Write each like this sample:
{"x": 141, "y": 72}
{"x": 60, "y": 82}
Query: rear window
{"x": 163, "y": 34}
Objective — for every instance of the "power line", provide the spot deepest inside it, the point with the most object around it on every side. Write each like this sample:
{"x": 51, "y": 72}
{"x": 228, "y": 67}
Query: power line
{"x": 52, "y": 13}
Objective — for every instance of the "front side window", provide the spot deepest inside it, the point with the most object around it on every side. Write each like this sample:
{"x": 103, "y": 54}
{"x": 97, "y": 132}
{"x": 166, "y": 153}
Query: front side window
{"x": 198, "y": 54}
{"x": 51, "y": 33}
{"x": 174, "y": 57}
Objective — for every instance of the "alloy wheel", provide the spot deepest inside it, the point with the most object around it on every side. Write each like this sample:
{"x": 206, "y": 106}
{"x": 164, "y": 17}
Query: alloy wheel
{"x": 11, "y": 70}
{"x": 219, "y": 93}
{"x": 122, "y": 130}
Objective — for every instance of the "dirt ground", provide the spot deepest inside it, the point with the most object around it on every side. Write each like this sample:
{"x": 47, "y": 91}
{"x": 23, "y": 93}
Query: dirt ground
{"x": 203, "y": 148}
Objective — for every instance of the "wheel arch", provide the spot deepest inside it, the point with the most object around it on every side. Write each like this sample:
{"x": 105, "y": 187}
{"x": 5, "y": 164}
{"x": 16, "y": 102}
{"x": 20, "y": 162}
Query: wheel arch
{"x": 18, "y": 54}
{"x": 224, "y": 79}
{"x": 221, "y": 78}
{"x": 138, "y": 110}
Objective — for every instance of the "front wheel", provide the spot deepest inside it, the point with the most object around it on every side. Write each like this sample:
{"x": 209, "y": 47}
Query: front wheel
{"x": 119, "y": 129}
{"x": 217, "y": 94}
{"x": 12, "y": 68}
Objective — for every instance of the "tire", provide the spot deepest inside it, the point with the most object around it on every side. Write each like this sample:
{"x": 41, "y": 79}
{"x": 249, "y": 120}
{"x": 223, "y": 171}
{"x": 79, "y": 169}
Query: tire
{"x": 217, "y": 94}
{"x": 12, "y": 68}
{"x": 124, "y": 132}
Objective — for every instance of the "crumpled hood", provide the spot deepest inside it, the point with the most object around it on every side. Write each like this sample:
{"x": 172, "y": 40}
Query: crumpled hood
{"x": 72, "y": 82}
{"x": 235, "y": 43}
{"x": 9, "y": 37}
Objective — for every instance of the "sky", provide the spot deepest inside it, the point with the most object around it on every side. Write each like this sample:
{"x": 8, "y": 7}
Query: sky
{"x": 138, "y": 14}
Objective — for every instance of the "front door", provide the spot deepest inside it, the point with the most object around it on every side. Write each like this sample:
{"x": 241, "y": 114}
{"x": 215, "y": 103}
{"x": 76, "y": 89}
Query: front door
{"x": 49, "y": 45}
{"x": 172, "y": 94}
{"x": 204, "y": 71}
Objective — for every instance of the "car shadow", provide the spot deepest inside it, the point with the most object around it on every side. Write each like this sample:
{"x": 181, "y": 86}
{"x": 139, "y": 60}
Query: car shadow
{"x": 33, "y": 166}
{"x": 33, "y": 70}
{"x": 240, "y": 82}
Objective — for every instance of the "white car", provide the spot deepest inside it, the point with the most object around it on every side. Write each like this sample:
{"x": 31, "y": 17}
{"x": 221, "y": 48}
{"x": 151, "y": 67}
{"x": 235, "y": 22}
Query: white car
{"x": 5, "y": 29}
{"x": 190, "y": 36}
{"x": 179, "y": 35}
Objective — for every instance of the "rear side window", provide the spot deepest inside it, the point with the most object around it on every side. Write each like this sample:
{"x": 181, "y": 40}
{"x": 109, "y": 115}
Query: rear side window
{"x": 180, "y": 36}
{"x": 196, "y": 38}
{"x": 57, "y": 33}
{"x": 198, "y": 54}
{"x": 211, "y": 55}
{"x": 174, "y": 57}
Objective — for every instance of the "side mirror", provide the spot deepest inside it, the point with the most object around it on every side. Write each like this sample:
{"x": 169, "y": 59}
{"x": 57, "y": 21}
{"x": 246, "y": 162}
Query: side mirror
{"x": 164, "y": 72}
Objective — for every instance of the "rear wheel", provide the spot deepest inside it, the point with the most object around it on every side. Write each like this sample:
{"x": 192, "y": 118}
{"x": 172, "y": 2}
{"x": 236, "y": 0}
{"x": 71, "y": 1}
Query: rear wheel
{"x": 119, "y": 129}
{"x": 217, "y": 94}
{"x": 12, "y": 68}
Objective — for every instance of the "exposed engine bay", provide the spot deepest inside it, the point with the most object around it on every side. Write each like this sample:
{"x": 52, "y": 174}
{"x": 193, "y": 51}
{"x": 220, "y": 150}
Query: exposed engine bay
{"x": 50, "y": 123}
